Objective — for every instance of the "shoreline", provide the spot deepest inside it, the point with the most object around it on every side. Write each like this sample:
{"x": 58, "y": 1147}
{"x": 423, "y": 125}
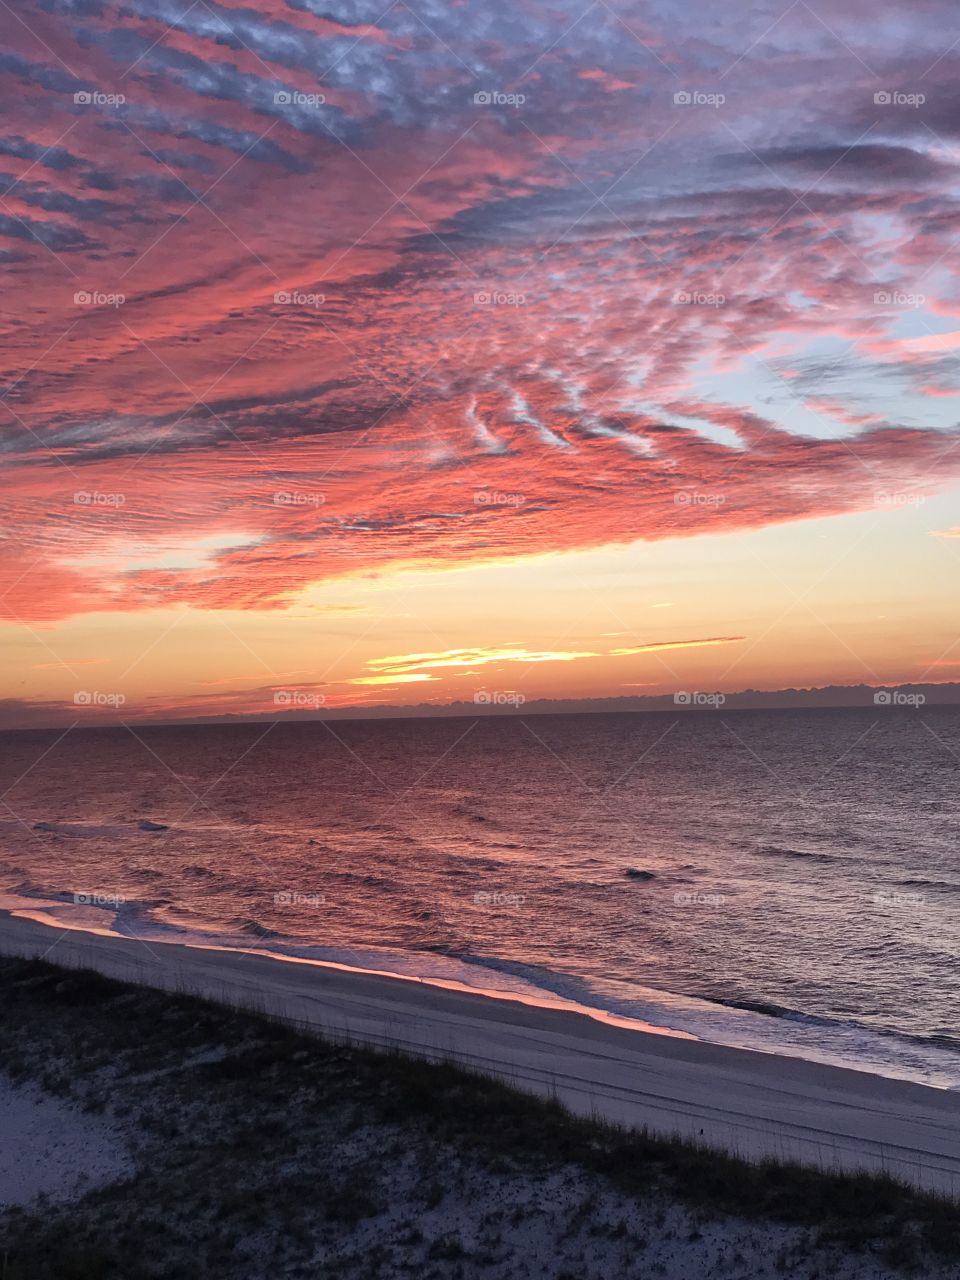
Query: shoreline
{"x": 748, "y": 1103}
{"x": 257, "y": 1148}
{"x": 536, "y": 997}
{"x": 780, "y": 1032}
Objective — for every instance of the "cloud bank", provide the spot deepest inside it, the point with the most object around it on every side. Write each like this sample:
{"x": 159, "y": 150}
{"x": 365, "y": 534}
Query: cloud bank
{"x": 297, "y": 292}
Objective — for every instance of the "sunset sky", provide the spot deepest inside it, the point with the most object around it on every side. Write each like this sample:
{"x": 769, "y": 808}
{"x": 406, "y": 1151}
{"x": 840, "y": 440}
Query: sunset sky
{"x": 366, "y": 355}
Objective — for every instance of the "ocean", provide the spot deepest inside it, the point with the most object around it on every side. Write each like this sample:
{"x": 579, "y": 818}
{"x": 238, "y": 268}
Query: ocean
{"x": 786, "y": 881}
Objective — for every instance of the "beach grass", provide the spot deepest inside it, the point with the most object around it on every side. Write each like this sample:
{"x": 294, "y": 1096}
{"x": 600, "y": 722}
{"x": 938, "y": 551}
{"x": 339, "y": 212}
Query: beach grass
{"x": 243, "y": 1127}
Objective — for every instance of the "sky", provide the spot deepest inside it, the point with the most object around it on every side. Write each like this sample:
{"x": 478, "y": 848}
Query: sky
{"x": 367, "y": 356}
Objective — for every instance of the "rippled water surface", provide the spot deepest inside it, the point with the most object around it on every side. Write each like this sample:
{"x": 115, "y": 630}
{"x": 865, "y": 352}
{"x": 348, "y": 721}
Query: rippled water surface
{"x": 782, "y": 880}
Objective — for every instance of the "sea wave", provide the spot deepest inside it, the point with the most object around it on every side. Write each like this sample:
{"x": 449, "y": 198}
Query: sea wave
{"x": 920, "y": 882}
{"x": 781, "y": 851}
{"x": 99, "y": 831}
{"x": 736, "y": 1020}
{"x": 770, "y": 1010}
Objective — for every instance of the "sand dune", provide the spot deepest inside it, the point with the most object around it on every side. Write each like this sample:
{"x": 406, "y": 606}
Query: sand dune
{"x": 753, "y": 1104}
{"x": 47, "y": 1146}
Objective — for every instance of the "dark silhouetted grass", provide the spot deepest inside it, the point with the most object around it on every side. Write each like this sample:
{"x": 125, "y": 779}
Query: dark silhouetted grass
{"x": 237, "y": 1115}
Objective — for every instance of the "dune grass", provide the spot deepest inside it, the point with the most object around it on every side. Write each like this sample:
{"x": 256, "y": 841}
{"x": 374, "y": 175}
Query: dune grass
{"x": 233, "y": 1113}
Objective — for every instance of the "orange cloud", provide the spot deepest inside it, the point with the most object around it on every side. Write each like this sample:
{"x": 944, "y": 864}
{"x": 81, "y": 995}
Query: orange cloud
{"x": 466, "y": 659}
{"x": 397, "y": 677}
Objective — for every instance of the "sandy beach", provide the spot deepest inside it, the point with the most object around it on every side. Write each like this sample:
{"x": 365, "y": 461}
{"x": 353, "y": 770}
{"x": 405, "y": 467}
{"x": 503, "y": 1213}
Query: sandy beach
{"x": 747, "y": 1103}
{"x": 48, "y": 1147}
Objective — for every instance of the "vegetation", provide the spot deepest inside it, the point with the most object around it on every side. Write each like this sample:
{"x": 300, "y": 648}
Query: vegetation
{"x": 258, "y": 1148}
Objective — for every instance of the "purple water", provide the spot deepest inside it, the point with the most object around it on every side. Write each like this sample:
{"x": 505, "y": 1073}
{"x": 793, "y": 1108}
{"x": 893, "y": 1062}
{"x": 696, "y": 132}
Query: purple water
{"x": 799, "y": 871}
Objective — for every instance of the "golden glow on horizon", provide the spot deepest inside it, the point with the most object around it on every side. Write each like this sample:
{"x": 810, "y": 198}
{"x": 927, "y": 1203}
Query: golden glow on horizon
{"x": 397, "y": 678}
{"x": 675, "y": 644}
{"x": 474, "y": 658}
{"x": 578, "y": 625}
{"x": 404, "y": 664}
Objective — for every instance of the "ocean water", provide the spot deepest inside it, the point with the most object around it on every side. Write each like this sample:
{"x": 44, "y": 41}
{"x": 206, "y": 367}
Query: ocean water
{"x": 785, "y": 881}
